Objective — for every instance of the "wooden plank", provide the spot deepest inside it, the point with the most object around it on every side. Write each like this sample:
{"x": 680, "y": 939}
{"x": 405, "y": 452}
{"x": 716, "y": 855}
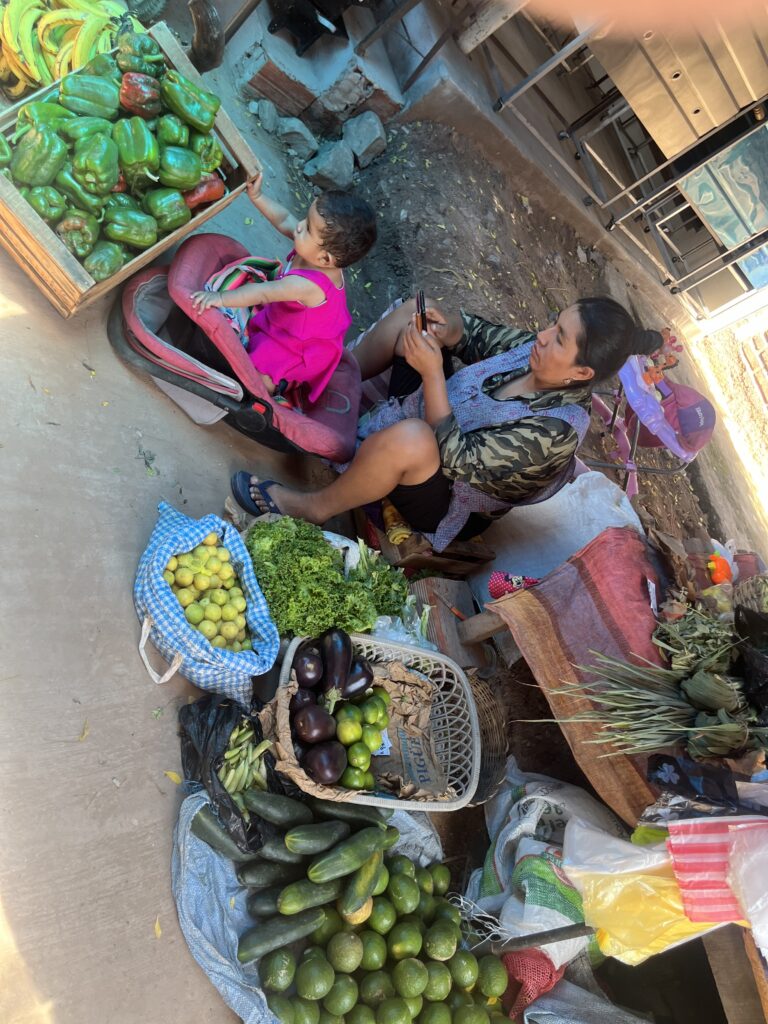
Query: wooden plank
{"x": 443, "y": 626}
{"x": 759, "y": 969}
{"x": 733, "y": 975}
{"x": 480, "y": 627}
{"x": 490, "y": 16}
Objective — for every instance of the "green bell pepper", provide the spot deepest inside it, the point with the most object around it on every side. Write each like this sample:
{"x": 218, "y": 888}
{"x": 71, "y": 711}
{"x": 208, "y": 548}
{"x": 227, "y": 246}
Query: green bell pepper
{"x": 89, "y": 95}
{"x": 136, "y": 51}
{"x": 121, "y": 201}
{"x": 207, "y": 148}
{"x": 81, "y": 127}
{"x": 168, "y": 208}
{"x": 39, "y": 156}
{"x": 52, "y": 115}
{"x": 95, "y": 164}
{"x": 5, "y": 152}
{"x": 78, "y": 230}
{"x": 171, "y": 131}
{"x": 105, "y": 260}
{"x": 132, "y": 227}
{"x": 47, "y": 203}
{"x": 179, "y": 168}
{"x": 103, "y": 65}
{"x": 138, "y": 152}
{"x": 80, "y": 197}
{"x": 193, "y": 105}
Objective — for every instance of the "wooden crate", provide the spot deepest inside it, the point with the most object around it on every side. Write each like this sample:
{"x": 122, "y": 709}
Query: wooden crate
{"x": 40, "y": 253}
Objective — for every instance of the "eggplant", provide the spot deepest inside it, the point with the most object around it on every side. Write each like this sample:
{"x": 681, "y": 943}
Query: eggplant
{"x": 313, "y": 724}
{"x": 308, "y": 666}
{"x": 336, "y": 652}
{"x": 359, "y": 678}
{"x": 301, "y": 699}
{"x": 299, "y": 750}
{"x": 325, "y": 763}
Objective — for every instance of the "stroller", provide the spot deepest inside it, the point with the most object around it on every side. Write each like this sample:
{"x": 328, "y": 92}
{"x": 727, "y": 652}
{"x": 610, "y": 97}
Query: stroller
{"x": 199, "y": 361}
{"x": 681, "y": 423}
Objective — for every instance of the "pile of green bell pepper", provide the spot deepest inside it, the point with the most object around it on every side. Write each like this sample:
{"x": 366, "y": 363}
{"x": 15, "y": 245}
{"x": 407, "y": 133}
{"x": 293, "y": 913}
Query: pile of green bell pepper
{"x": 38, "y": 157}
{"x": 168, "y": 208}
{"x": 138, "y": 151}
{"x": 171, "y": 131}
{"x": 137, "y": 52}
{"x": 179, "y": 168}
{"x": 132, "y": 227}
{"x": 95, "y": 164}
{"x": 47, "y": 202}
{"x": 78, "y": 230}
{"x": 90, "y": 95}
{"x": 193, "y": 105}
{"x": 105, "y": 259}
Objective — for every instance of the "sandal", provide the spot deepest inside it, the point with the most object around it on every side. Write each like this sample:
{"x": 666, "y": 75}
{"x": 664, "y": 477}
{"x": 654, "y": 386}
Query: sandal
{"x": 241, "y": 490}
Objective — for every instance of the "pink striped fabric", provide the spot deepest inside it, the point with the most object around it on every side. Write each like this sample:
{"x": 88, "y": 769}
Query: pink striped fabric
{"x": 700, "y": 849}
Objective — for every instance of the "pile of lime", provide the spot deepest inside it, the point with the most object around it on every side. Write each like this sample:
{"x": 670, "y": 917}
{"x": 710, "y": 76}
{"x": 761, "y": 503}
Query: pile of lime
{"x": 207, "y": 588}
{"x": 359, "y": 728}
{"x": 402, "y": 964}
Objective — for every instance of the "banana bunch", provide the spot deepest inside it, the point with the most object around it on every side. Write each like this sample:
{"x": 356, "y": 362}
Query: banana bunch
{"x": 243, "y": 765}
{"x": 43, "y": 40}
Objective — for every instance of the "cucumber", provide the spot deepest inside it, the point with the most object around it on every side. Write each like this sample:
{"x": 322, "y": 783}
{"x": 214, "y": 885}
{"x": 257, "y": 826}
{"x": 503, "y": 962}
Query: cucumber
{"x": 276, "y": 933}
{"x": 205, "y": 825}
{"x": 316, "y": 838}
{"x": 352, "y": 813}
{"x": 303, "y": 895}
{"x": 276, "y": 809}
{"x": 276, "y": 850}
{"x": 261, "y": 874}
{"x": 359, "y": 886}
{"x": 390, "y": 837}
{"x": 348, "y": 856}
{"x": 264, "y": 902}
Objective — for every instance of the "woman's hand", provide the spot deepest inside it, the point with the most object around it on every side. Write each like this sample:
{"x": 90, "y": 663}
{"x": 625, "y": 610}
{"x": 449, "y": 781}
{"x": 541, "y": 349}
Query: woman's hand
{"x": 422, "y": 351}
{"x": 253, "y": 188}
{"x": 206, "y": 300}
{"x": 437, "y": 325}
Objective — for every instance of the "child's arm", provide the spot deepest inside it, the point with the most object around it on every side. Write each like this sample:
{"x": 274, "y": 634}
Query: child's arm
{"x": 288, "y": 289}
{"x": 276, "y": 214}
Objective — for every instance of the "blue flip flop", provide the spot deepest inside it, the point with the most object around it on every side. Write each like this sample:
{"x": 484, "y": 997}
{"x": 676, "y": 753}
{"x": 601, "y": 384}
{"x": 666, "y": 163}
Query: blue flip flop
{"x": 241, "y": 490}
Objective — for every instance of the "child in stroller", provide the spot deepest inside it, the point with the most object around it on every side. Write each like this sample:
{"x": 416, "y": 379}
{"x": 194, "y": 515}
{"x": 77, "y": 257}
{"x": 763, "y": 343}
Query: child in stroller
{"x": 296, "y": 333}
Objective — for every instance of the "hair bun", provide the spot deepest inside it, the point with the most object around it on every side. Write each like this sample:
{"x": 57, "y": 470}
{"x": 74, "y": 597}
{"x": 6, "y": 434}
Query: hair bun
{"x": 645, "y": 342}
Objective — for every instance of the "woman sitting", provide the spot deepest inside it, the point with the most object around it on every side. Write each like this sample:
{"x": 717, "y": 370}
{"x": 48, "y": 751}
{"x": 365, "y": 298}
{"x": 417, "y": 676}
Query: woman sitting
{"x": 453, "y": 451}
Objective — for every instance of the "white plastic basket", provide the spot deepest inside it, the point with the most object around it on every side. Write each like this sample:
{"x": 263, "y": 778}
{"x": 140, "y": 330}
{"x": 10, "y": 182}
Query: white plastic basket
{"x": 455, "y": 730}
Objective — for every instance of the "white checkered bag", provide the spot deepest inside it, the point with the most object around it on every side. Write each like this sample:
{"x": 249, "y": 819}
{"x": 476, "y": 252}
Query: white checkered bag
{"x": 163, "y": 620}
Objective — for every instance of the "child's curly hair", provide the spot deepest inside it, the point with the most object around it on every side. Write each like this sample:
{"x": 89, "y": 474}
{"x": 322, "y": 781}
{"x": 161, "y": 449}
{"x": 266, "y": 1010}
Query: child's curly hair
{"x": 350, "y": 226}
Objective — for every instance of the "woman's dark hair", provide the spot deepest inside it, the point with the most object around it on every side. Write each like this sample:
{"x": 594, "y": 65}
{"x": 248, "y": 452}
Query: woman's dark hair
{"x": 610, "y": 336}
{"x": 350, "y": 226}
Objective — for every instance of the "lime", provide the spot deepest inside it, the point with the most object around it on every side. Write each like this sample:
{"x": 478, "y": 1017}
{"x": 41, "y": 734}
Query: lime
{"x": 414, "y": 919}
{"x": 414, "y": 1005}
{"x": 439, "y": 983}
{"x": 228, "y": 612}
{"x": 383, "y": 916}
{"x": 374, "y": 950}
{"x": 304, "y": 1011}
{"x": 498, "y": 1017}
{"x": 228, "y": 630}
{"x": 403, "y": 893}
{"x": 184, "y": 577}
{"x": 201, "y": 553}
{"x": 348, "y": 732}
{"x": 345, "y": 954}
{"x": 240, "y": 621}
{"x": 382, "y": 881}
{"x": 463, "y": 968}
{"x": 239, "y": 602}
{"x": 401, "y": 865}
{"x": 201, "y": 581}
{"x": 457, "y": 999}
{"x": 312, "y": 951}
{"x": 372, "y": 709}
{"x": 223, "y": 554}
{"x": 247, "y": 645}
{"x": 184, "y": 560}
{"x": 226, "y": 572}
{"x": 426, "y": 908}
{"x": 213, "y": 564}
{"x": 352, "y": 778}
{"x": 492, "y": 978}
{"x": 208, "y": 629}
{"x": 393, "y": 1011}
{"x": 169, "y": 578}
{"x": 410, "y": 978}
{"x": 213, "y": 612}
{"x": 185, "y": 597}
{"x": 218, "y": 596}
{"x": 240, "y": 635}
{"x": 471, "y": 1015}
{"x": 282, "y": 1007}
{"x": 424, "y": 880}
{"x": 370, "y": 781}
{"x": 214, "y": 581}
{"x": 433, "y": 1013}
{"x": 276, "y": 970}
{"x": 330, "y": 926}
{"x": 194, "y": 613}
{"x": 441, "y": 941}
{"x": 234, "y": 591}
{"x": 404, "y": 940}
{"x": 375, "y": 987}
{"x": 211, "y": 540}
{"x": 445, "y": 911}
{"x": 314, "y": 978}
{"x": 360, "y": 1014}
{"x": 329, "y": 1018}
{"x": 236, "y": 646}
{"x": 381, "y": 693}
{"x": 343, "y": 995}
{"x": 382, "y": 722}
{"x": 349, "y": 713}
{"x": 371, "y": 738}
{"x": 441, "y": 879}
{"x": 359, "y": 756}
{"x": 218, "y": 641}
{"x": 173, "y": 564}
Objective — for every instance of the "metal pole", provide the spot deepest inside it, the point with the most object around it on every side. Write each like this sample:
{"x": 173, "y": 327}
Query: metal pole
{"x": 732, "y": 255}
{"x": 391, "y": 19}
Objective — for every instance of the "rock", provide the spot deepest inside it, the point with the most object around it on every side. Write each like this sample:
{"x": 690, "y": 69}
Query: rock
{"x": 268, "y": 116}
{"x": 365, "y": 137}
{"x": 581, "y": 254}
{"x": 297, "y": 137}
{"x": 333, "y": 167}
{"x": 253, "y": 107}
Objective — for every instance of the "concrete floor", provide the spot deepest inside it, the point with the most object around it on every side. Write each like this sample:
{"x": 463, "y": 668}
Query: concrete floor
{"x": 87, "y": 450}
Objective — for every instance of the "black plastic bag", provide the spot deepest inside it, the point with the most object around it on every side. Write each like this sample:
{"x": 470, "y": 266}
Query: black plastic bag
{"x": 206, "y": 727}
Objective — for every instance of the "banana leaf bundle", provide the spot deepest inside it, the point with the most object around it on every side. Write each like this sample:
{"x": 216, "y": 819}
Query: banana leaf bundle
{"x": 710, "y": 691}
{"x": 696, "y": 640}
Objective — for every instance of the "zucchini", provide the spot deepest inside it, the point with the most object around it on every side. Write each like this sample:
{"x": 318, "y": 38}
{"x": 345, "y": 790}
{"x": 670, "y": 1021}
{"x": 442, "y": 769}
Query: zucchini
{"x": 276, "y": 850}
{"x": 348, "y": 856}
{"x": 316, "y": 838}
{"x": 276, "y": 933}
{"x": 305, "y": 894}
{"x": 205, "y": 825}
{"x": 359, "y": 886}
{"x": 278, "y": 810}
{"x": 260, "y": 874}
{"x": 264, "y": 902}
{"x": 390, "y": 837}
{"x": 355, "y": 815}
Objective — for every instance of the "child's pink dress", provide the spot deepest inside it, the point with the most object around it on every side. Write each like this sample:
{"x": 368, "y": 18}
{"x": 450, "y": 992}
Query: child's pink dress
{"x": 298, "y": 343}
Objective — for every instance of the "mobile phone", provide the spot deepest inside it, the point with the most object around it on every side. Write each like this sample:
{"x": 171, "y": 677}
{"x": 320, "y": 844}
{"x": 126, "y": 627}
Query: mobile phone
{"x": 421, "y": 311}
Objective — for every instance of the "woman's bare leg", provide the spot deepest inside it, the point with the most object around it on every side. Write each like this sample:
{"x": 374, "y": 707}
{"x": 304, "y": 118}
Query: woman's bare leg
{"x": 405, "y": 453}
{"x": 378, "y": 348}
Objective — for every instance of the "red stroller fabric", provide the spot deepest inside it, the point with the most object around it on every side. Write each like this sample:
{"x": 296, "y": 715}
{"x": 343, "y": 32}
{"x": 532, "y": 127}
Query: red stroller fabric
{"x": 688, "y": 412}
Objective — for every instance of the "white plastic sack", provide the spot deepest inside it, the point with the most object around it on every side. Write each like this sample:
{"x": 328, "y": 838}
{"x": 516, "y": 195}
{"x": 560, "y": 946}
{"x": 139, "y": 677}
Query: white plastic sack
{"x": 747, "y": 874}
